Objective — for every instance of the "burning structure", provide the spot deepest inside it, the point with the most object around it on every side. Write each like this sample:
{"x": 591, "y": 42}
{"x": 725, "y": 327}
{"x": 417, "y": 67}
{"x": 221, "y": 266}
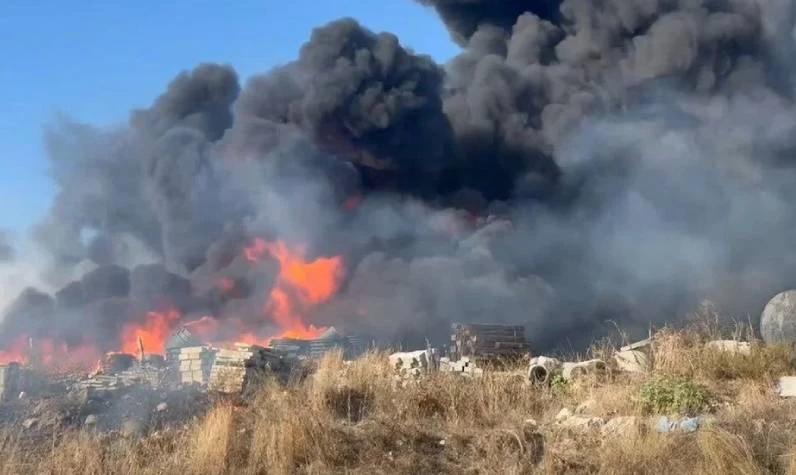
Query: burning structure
{"x": 577, "y": 162}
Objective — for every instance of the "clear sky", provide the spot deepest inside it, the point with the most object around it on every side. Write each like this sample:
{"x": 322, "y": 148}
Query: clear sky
{"x": 95, "y": 60}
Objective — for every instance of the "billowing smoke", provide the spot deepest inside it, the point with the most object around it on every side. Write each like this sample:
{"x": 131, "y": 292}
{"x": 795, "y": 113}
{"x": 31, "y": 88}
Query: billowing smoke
{"x": 7, "y": 252}
{"x": 579, "y": 162}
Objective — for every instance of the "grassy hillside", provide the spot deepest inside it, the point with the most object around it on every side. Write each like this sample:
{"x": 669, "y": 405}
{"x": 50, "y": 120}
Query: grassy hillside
{"x": 351, "y": 418}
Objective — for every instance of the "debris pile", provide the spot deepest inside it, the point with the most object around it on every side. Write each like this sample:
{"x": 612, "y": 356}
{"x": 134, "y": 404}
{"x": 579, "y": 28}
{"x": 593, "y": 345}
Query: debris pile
{"x": 117, "y": 370}
{"x": 234, "y": 369}
{"x": 488, "y": 341}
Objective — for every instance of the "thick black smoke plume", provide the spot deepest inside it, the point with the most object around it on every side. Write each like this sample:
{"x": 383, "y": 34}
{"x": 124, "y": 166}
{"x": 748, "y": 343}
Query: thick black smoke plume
{"x": 578, "y": 162}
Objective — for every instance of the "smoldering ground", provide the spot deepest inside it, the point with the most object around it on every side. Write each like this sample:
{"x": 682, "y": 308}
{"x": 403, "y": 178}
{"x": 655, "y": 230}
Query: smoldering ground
{"x": 639, "y": 151}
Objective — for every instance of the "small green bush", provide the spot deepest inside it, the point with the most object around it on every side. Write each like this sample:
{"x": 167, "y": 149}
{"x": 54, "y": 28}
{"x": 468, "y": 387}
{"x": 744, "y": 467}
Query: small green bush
{"x": 673, "y": 395}
{"x": 560, "y": 384}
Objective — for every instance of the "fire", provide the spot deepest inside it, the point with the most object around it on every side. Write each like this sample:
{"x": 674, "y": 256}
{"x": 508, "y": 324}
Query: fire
{"x": 17, "y": 351}
{"x": 49, "y": 353}
{"x": 300, "y": 285}
{"x": 153, "y": 332}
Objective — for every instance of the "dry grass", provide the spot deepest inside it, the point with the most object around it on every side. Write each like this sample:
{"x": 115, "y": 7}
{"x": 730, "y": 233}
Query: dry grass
{"x": 350, "y": 418}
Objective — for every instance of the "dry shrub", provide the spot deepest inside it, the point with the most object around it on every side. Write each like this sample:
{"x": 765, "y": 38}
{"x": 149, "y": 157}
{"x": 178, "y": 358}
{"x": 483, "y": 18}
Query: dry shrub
{"x": 349, "y": 417}
{"x": 608, "y": 400}
{"x": 674, "y": 352}
{"x": 765, "y": 424}
{"x": 725, "y": 452}
{"x": 764, "y": 362}
{"x": 684, "y": 353}
{"x": 76, "y": 453}
{"x": 210, "y": 442}
{"x": 648, "y": 453}
{"x": 287, "y": 433}
{"x": 349, "y": 390}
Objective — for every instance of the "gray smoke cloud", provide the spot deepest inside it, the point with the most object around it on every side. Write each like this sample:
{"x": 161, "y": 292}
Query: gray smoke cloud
{"x": 578, "y": 162}
{"x": 7, "y": 251}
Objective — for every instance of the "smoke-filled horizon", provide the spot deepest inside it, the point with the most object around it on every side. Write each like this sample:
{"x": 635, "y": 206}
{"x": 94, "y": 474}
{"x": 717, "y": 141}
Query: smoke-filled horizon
{"x": 578, "y": 163}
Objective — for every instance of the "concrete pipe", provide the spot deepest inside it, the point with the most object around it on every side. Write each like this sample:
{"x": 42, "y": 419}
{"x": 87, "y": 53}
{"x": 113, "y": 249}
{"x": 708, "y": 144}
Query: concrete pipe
{"x": 542, "y": 368}
{"x": 583, "y": 368}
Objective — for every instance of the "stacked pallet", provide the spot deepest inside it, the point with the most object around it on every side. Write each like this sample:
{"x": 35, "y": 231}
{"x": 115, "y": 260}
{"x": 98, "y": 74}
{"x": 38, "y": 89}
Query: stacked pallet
{"x": 233, "y": 370}
{"x": 194, "y": 364}
{"x": 488, "y": 341}
{"x": 351, "y": 346}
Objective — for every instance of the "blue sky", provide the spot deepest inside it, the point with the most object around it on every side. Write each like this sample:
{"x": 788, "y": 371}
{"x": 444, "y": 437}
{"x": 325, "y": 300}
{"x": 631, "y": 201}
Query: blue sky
{"x": 96, "y": 60}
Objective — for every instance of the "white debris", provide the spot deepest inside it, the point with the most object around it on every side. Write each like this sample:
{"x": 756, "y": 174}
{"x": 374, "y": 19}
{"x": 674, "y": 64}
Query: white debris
{"x": 30, "y": 423}
{"x": 731, "y": 346}
{"x": 464, "y": 366}
{"x": 413, "y": 363}
{"x": 632, "y": 361}
{"x": 563, "y": 414}
{"x": 786, "y": 386}
{"x": 639, "y": 345}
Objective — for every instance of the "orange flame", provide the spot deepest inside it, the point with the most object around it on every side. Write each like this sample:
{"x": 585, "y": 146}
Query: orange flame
{"x": 300, "y": 286}
{"x": 17, "y": 351}
{"x": 153, "y": 332}
{"x": 49, "y": 353}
